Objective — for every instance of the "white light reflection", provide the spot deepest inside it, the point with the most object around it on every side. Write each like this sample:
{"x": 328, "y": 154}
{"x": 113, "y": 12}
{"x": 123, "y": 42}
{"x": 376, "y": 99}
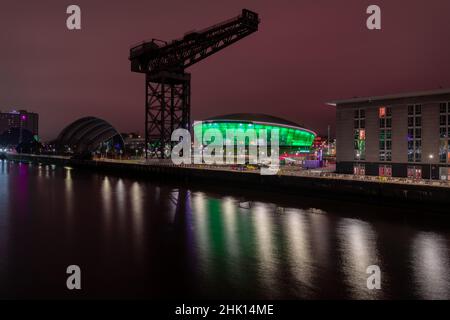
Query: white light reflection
{"x": 320, "y": 235}
{"x": 52, "y": 170}
{"x": 120, "y": 196}
{"x": 137, "y": 208}
{"x": 357, "y": 244}
{"x": 201, "y": 227}
{"x": 299, "y": 246}
{"x": 268, "y": 263}
{"x": 430, "y": 262}
{"x": 68, "y": 180}
{"x": 229, "y": 219}
{"x": 68, "y": 188}
{"x": 106, "y": 196}
{"x": 172, "y": 204}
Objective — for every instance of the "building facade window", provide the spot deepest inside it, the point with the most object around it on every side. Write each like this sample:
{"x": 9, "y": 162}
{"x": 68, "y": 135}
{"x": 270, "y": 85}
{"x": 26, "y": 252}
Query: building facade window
{"x": 444, "y": 131}
{"x": 414, "y": 172}
{"x": 385, "y": 170}
{"x": 359, "y": 169}
{"x": 444, "y": 173}
{"x": 415, "y": 133}
{"x": 385, "y": 118}
{"x": 360, "y": 134}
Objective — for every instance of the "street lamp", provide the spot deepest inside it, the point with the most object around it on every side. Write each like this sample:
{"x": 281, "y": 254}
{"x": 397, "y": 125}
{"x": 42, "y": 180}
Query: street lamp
{"x": 431, "y": 156}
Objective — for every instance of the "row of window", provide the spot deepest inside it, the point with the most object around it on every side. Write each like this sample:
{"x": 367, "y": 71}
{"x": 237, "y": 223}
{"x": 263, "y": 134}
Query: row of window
{"x": 359, "y": 139}
{"x": 414, "y": 133}
{"x": 444, "y": 131}
{"x": 444, "y": 151}
{"x": 413, "y": 172}
{"x": 385, "y": 142}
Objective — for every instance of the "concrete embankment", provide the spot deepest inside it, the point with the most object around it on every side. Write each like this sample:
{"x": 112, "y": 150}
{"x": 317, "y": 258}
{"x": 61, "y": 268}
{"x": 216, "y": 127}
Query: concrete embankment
{"x": 434, "y": 197}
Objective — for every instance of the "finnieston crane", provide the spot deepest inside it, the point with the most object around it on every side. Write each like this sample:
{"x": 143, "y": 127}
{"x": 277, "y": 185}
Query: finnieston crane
{"x": 167, "y": 85}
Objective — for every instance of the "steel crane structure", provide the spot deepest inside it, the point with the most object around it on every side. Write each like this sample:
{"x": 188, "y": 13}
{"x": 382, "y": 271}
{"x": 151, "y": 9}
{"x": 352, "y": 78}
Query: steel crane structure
{"x": 167, "y": 85}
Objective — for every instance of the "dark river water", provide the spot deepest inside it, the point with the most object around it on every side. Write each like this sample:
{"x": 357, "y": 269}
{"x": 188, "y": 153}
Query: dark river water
{"x": 140, "y": 239}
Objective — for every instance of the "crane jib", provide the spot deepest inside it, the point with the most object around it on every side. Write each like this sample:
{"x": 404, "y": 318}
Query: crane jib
{"x": 152, "y": 52}
{"x": 168, "y": 86}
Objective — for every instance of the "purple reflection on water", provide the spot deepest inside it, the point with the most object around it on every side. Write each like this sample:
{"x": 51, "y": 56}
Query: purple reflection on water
{"x": 22, "y": 188}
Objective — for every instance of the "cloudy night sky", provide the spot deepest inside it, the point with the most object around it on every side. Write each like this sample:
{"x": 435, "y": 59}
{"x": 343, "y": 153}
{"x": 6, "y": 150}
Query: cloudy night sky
{"x": 305, "y": 53}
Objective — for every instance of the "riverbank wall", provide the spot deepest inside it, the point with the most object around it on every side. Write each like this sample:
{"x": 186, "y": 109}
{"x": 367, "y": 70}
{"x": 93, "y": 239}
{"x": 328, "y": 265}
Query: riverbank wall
{"x": 430, "y": 196}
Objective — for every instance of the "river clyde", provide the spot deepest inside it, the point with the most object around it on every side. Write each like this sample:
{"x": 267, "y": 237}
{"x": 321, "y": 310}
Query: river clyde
{"x": 134, "y": 238}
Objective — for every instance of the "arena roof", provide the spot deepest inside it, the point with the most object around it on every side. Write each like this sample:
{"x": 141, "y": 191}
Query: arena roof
{"x": 86, "y": 134}
{"x": 291, "y": 133}
{"x": 254, "y": 117}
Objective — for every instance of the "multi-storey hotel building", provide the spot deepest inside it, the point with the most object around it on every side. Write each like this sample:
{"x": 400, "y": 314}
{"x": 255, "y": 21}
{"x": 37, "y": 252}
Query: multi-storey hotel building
{"x": 404, "y": 135}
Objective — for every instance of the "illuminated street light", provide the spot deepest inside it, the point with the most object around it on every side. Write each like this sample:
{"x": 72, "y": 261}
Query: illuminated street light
{"x": 430, "y": 156}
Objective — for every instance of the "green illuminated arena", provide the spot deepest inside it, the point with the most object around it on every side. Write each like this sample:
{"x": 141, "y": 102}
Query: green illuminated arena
{"x": 293, "y": 138}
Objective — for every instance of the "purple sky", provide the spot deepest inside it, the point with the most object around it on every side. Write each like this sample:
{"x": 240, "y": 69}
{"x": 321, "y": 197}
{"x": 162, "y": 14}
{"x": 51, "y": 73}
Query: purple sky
{"x": 305, "y": 53}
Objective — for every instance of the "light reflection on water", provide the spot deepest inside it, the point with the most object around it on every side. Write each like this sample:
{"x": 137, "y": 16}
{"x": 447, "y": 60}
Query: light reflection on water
{"x": 154, "y": 240}
{"x": 296, "y": 226}
{"x": 429, "y": 265}
{"x": 137, "y": 211}
{"x": 358, "y": 250}
{"x": 268, "y": 256}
